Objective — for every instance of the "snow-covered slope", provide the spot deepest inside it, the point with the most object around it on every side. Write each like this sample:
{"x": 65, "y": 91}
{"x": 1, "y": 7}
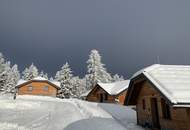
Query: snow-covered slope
{"x": 48, "y": 113}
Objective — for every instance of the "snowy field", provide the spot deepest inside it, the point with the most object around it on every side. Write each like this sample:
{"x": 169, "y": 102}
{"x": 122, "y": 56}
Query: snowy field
{"x": 46, "y": 113}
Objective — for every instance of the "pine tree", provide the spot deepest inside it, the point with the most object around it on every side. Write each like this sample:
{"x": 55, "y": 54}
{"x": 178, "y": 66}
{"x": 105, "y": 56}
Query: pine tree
{"x": 2, "y": 72}
{"x": 96, "y": 70}
{"x": 30, "y": 73}
{"x": 75, "y": 82}
{"x": 64, "y": 76}
{"x": 116, "y": 78}
{"x": 44, "y": 75}
{"x": 79, "y": 86}
{"x": 51, "y": 79}
{"x": 13, "y": 76}
{"x": 5, "y": 73}
{"x": 6, "y": 77}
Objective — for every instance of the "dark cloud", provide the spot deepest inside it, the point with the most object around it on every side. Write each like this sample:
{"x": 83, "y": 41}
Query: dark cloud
{"x": 129, "y": 34}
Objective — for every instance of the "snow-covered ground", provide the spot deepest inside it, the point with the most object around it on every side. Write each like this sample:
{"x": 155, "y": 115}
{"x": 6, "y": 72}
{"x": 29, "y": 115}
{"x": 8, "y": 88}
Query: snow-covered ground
{"x": 47, "y": 113}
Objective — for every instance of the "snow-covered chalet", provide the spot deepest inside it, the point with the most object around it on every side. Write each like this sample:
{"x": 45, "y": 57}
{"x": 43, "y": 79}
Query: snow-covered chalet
{"x": 161, "y": 94}
{"x": 38, "y": 86}
{"x": 109, "y": 92}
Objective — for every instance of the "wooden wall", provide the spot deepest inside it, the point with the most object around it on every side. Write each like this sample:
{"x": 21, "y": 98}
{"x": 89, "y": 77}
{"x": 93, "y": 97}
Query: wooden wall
{"x": 180, "y": 117}
{"x": 38, "y": 89}
{"x": 94, "y": 96}
{"x": 121, "y": 97}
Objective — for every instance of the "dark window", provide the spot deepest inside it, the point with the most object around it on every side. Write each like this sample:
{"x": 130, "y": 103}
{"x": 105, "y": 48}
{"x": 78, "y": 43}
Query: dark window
{"x": 106, "y": 97}
{"x": 30, "y": 88}
{"x": 101, "y": 97}
{"x": 143, "y": 104}
{"x": 46, "y": 88}
{"x": 165, "y": 110}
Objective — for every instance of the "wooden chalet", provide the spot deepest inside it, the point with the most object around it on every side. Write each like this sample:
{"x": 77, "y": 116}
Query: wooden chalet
{"x": 109, "y": 92}
{"x": 161, "y": 94}
{"x": 38, "y": 86}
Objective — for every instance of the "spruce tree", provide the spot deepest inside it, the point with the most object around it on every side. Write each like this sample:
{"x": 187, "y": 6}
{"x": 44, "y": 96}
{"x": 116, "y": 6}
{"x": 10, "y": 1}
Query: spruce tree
{"x": 44, "y": 75}
{"x": 8, "y": 76}
{"x": 96, "y": 71}
{"x": 64, "y": 76}
{"x": 5, "y": 77}
{"x": 2, "y": 72}
{"x": 79, "y": 86}
{"x": 13, "y": 76}
{"x": 30, "y": 73}
{"x": 117, "y": 77}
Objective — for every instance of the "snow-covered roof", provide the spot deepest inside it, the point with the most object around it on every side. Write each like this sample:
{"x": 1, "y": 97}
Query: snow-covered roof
{"x": 86, "y": 93}
{"x": 56, "y": 83}
{"x": 116, "y": 87}
{"x": 172, "y": 80}
{"x": 21, "y": 81}
{"x": 39, "y": 78}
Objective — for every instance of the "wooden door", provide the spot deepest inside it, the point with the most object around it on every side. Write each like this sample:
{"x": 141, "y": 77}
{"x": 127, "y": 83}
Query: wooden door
{"x": 155, "y": 115}
{"x": 101, "y": 97}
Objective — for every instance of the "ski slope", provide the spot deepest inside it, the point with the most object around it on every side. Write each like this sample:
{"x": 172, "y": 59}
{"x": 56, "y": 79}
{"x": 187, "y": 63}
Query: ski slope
{"x": 47, "y": 113}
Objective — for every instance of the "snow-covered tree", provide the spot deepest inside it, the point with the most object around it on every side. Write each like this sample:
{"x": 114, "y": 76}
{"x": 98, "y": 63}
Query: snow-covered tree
{"x": 13, "y": 76}
{"x": 64, "y": 76}
{"x": 16, "y": 73}
{"x": 2, "y": 72}
{"x": 79, "y": 86}
{"x": 8, "y": 76}
{"x": 96, "y": 70}
{"x": 2, "y": 63}
{"x": 30, "y": 73}
{"x": 5, "y": 76}
{"x": 83, "y": 85}
{"x": 116, "y": 78}
{"x": 51, "y": 79}
{"x": 75, "y": 82}
{"x": 44, "y": 75}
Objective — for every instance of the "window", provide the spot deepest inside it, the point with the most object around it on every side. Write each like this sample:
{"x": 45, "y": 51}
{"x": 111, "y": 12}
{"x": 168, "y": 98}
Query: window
{"x": 30, "y": 88}
{"x": 143, "y": 104}
{"x": 46, "y": 88}
{"x": 165, "y": 110}
{"x": 106, "y": 97}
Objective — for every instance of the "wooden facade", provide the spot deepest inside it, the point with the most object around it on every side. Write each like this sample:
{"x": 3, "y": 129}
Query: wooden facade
{"x": 34, "y": 87}
{"x": 154, "y": 110}
{"x": 98, "y": 94}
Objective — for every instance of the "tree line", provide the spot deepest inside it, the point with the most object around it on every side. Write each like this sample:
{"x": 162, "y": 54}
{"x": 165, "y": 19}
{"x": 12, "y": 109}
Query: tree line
{"x": 71, "y": 86}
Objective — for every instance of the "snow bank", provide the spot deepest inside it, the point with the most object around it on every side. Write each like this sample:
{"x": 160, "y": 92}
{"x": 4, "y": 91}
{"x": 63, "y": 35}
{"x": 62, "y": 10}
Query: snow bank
{"x": 91, "y": 109}
{"x": 11, "y": 126}
{"x": 6, "y": 96}
{"x": 39, "y": 98}
{"x": 95, "y": 124}
{"x": 123, "y": 114}
{"x": 101, "y": 116}
{"x": 19, "y": 105}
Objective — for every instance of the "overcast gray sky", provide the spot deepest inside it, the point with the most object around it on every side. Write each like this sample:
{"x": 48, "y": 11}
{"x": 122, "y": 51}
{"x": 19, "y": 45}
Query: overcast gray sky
{"x": 129, "y": 34}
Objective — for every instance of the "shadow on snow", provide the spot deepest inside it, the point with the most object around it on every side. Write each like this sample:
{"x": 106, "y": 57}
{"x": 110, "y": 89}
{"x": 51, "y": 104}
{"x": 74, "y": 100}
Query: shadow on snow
{"x": 95, "y": 124}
